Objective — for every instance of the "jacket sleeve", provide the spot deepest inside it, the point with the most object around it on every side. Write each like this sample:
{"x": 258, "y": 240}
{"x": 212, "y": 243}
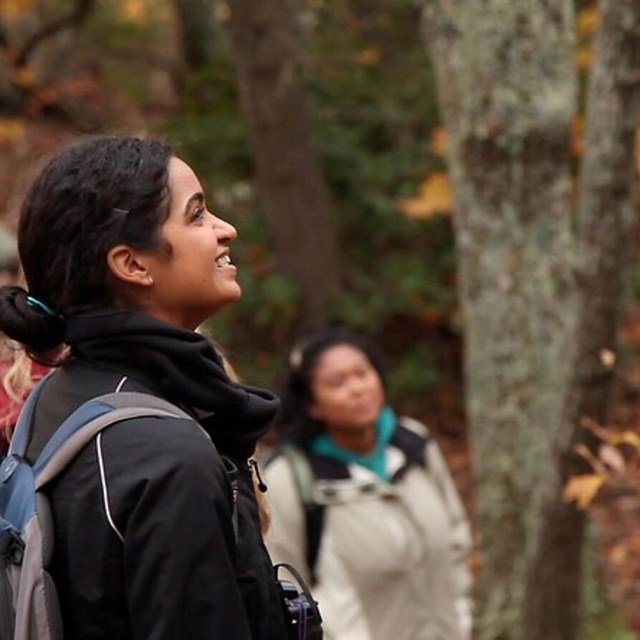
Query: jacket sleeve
{"x": 171, "y": 506}
{"x": 461, "y": 541}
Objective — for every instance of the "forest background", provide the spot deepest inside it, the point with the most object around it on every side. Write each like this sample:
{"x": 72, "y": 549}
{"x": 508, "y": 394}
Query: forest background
{"x": 344, "y": 203}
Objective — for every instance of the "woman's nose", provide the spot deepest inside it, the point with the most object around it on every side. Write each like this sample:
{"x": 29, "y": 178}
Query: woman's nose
{"x": 225, "y": 230}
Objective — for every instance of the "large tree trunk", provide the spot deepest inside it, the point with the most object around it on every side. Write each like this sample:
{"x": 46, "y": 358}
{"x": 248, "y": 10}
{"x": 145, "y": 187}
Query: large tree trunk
{"x": 291, "y": 184}
{"x": 506, "y": 77}
{"x": 198, "y": 31}
{"x": 606, "y": 219}
{"x": 539, "y": 304}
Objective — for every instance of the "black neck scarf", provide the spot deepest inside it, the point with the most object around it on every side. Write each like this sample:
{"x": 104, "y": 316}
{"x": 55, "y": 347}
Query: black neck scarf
{"x": 180, "y": 365}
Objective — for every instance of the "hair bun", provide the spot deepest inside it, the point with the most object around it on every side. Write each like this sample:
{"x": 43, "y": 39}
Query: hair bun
{"x": 30, "y": 321}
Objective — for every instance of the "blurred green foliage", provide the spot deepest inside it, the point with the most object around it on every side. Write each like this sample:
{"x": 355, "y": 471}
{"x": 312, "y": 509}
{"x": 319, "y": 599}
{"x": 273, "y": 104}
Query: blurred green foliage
{"x": 374, "y": 107}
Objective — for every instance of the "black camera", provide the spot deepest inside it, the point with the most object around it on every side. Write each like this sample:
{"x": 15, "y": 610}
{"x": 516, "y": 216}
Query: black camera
{"x": 301, "y": 611}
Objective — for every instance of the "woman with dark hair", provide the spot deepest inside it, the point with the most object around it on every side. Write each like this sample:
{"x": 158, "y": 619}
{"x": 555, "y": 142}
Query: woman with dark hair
{"x": 123, "y": 261}
{"x": 381, "y": 532}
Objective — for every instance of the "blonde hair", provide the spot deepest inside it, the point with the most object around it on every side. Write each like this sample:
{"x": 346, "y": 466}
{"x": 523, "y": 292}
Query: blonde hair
{"x": 18, "y": 380}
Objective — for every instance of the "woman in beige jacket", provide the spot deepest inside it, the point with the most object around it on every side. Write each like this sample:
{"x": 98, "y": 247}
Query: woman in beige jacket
{"x": 391, "y": 560}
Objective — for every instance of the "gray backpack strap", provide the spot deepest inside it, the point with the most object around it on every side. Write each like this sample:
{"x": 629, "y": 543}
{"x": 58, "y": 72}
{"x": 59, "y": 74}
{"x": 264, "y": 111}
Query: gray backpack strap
{"x": 125, "y": 406}
{"x": 301, "y": 472}
{"x": 314, "y": 512}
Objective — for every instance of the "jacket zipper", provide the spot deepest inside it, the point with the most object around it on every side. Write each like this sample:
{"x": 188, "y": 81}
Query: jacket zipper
{"x": 253, "y": 465}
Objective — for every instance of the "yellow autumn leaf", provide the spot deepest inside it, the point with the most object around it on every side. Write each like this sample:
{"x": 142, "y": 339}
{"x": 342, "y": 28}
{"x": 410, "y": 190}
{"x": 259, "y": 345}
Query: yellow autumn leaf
{"x": 133, "y": 10}
{"x": 25, "y": 77}
{"x": 439, "y": 141}
{"x": 582, "y": 489}
{"x": 11, "y": 130}
{"x": 15, "y": 8}
{"x": 587, "y": 20}
{"x": 369, "y": 56}
{"x": 625, "y": 437}
{"x": 434, "y": 197}
{"x": 584, "y": 58}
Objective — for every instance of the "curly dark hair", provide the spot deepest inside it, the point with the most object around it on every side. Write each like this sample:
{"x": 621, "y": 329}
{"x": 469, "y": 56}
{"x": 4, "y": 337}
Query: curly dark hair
{"x": 88, "y": 198}
{"x": 293, "y": 421}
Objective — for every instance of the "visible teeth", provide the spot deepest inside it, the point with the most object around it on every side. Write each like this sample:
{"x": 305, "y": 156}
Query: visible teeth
{"x": 223, "y": 261}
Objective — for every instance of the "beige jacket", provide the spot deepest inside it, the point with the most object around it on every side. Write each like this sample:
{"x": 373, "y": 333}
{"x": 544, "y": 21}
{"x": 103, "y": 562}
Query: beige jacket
{"x": 392, "y": 563}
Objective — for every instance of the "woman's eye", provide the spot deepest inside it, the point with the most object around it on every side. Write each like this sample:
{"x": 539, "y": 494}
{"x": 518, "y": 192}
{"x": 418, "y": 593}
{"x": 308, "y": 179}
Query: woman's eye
{"x": 198, "y": 214}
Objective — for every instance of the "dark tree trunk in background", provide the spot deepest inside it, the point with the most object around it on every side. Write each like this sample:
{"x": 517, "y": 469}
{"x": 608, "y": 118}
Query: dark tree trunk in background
{"x": 291, "y": 185}
{"x": 539, "y": 302}
{"x": 198, "y": 31}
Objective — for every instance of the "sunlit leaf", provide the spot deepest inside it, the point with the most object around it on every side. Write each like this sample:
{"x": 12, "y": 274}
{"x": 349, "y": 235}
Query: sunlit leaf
{"x": 439, "y": 141}
{"x": 222, "y": 11}
{"x": 434, "y": 197}
{"x": 15, "y": 8}
{"x": 584, "y": 58}
{"x": 11, "y": 130}
{"x": 618, "y": 554}
{"x": 369, "y": 56}
{"x": 25, "y": 77}
{"x": 625, "y": 437}
{"x": 612, "y": 458}
{"x": 133, "y": 10}
{"x": 608, "y": 358}
{"x": 582, "y": 489}
{"x": 587, "y": 20}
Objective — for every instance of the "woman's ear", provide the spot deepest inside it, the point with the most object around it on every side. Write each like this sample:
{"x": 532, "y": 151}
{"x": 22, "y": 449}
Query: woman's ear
{"x": 126, "y": 266}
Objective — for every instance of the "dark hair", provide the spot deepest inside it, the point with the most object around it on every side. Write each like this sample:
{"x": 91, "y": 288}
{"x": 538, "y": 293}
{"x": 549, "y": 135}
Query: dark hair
{"x": 88, "y": 198}
{"x": 293, "y": 421}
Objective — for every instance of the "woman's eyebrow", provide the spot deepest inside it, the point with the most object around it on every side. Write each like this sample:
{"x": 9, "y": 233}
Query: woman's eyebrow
{"x": 196, "y": 197}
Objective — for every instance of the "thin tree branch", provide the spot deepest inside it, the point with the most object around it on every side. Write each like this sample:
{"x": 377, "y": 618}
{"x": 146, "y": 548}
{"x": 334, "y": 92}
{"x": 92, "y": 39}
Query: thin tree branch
{"x": 76, "y": 16}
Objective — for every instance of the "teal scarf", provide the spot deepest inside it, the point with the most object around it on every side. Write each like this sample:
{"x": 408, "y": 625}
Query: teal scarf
{"x": 374, "y": 461}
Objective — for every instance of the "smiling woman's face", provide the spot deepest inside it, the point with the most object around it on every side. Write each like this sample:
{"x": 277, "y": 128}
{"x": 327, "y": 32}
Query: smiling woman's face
{"x": 197, "y": 279}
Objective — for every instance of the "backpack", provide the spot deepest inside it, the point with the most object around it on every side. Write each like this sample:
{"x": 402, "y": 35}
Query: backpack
{"x": 314, "y": 512}
{"x": 29, "y": 607}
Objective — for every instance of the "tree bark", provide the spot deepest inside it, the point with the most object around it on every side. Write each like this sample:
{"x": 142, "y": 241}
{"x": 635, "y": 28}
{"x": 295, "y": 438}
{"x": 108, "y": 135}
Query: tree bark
{"x": 606, "y": 221}
{"x": 291, "y": 184}
{"x": 198, "y": 31}
{"x": 541, "y": 305}
{"x": 508, "y": 94}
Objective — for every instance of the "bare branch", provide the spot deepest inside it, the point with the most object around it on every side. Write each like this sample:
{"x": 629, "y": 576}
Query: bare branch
{"x": 76, "y": 16}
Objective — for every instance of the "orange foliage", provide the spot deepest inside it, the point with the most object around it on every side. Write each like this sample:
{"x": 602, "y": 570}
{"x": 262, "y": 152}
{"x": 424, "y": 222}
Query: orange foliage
{"x": 617, "y": 457}
{"x": 10, "y": 9}
{"x": 434, "y": 197}
{"x": 11, "y": 130}
{"x": 587, "y": 21}
{"x": 369, "y": 57}
{"x": 133, "y": 10}
{"x": 583, "y": 489}
{"x": 439, "y": 141}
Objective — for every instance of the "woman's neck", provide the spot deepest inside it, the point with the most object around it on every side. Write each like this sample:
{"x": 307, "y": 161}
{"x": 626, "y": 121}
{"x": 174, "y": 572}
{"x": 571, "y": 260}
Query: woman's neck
{"x": 361, "y": 441}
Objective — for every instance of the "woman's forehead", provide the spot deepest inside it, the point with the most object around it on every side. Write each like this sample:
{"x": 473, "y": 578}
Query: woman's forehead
{"x": 340, "y": 356}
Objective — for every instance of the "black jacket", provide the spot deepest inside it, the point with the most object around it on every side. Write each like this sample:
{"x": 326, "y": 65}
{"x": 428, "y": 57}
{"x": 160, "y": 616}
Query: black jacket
{"x": 144, "y": 541}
